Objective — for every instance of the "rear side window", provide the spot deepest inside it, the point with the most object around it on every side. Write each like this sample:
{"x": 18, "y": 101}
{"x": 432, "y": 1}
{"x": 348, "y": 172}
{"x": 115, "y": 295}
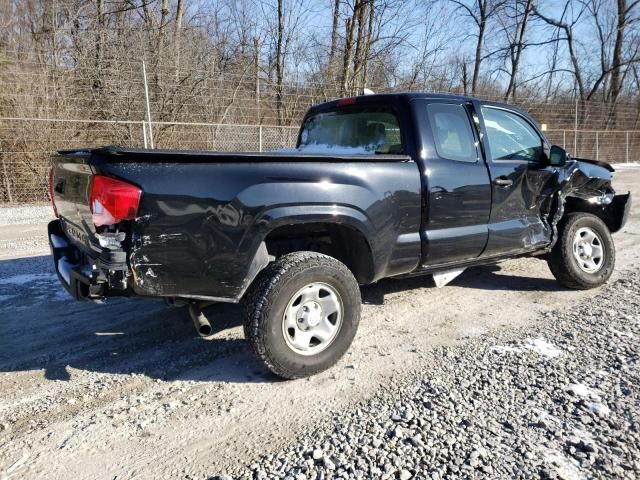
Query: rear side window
{"x": 352, "y": 130}
{"x": 452, "y": 132}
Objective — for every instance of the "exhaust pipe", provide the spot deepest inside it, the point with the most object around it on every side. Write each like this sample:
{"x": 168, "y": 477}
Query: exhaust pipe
{"x": 203, "y": 327}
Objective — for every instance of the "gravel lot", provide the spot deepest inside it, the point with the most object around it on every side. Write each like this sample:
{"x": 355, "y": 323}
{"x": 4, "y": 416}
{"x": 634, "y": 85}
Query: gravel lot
{"x": 560, "y": 399}
{"x": 462, "y": 377}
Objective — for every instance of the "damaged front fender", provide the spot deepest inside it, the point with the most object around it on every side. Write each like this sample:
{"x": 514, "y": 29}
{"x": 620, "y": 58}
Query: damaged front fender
{"x": 585, "y": 186}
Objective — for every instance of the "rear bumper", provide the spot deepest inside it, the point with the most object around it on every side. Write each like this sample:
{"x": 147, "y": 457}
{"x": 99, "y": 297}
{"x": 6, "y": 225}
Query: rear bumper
{"x": 84, "y": 276}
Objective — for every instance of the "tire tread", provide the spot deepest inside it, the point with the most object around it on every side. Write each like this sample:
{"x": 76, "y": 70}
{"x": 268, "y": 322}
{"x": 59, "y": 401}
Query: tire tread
{"x": 560, "y": 260}
{"x": 265, "y": 290}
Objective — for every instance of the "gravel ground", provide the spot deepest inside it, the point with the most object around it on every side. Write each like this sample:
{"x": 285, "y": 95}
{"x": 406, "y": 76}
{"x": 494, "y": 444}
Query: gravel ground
{"x": 25, "y": 214}
{"x": 559, "y": 399}
{"x": 127, "y": 390}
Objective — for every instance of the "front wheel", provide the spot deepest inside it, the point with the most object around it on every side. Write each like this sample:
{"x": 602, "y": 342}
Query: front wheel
{"x": 584, "y": 255}
{"x": 302, "y": 314}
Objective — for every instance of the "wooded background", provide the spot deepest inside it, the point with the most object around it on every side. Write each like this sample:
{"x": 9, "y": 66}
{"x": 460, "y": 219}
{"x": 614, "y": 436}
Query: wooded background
{"x": 239, "y": 74}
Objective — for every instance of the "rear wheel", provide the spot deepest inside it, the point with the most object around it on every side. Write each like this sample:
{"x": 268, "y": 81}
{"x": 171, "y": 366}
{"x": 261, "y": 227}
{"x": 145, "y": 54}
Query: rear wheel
{"x": 302, "y": 314}
{"x": 584, "y": 255}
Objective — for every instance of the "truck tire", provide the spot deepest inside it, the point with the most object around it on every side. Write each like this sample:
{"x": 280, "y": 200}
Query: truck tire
{"x": 302, "y": 314}
{"x": 584, "y": 255}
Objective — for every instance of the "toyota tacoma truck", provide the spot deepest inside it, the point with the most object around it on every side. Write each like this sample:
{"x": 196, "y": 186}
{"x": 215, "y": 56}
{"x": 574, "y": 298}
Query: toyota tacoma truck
{"x": 377, "y": 186}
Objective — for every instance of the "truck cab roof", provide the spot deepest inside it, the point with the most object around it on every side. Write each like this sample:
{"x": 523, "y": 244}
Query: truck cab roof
{"x": 404, "y": 97}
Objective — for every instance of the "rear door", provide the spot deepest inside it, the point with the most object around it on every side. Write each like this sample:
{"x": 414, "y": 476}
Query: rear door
{"x": 516, "y": 152}
{"x": 455, "y": 180}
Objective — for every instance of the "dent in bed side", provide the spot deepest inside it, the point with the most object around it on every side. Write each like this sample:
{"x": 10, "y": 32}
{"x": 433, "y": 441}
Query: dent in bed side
{"x": 203, "y": 233}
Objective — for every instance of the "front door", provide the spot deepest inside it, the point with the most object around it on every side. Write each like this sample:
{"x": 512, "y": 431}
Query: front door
{"x": 515, "y": 150}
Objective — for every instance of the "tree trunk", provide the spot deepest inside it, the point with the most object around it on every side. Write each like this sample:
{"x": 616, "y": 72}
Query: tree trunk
{"x": 177, "y": 41}
{"x": 179, "y": 17}
{"x": 465, "y": 77}
{"x": 7, "y": 183}
{"x": 164, "y": 13}
{"x": 357, "y": 64}
{"x": 616, "y": 63}
{"x": 256, "y": 74}
{"x": 334, "y": 33}
{"x": 517, "y": 52}
{"x": 280, "y": 63}
{"x": 372, "y": 16}
{"x": 100, "y": 36}
{"x": 348, "y": 49}
{"x": 482, "y": 24}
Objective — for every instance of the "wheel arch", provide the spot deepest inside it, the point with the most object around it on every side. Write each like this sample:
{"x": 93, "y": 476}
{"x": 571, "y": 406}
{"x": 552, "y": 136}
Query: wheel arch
{"x": 613, "y": 214}
{"x": 343, "y": 241}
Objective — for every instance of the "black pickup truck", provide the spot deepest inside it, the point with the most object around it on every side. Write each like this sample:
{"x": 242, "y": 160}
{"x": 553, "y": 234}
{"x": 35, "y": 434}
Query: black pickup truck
{"x": 377, "y": 186}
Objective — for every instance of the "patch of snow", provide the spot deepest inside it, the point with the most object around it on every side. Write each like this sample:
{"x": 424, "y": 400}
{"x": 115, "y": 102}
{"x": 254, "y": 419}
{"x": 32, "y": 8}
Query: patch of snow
{"x": 505, "y": 349}
{"x": 565, "y": 468}
{"x": 622, "y": 166}
{"x": 544, "y": 415}
{"x": 581, "y": 390}
{"x": 542, "y": 347}
{"x": 25, "y": 214}
{"x": 26, "y": 278}
{"x": 537, "y": 345}
{"x": 578, "y": 435}
{"x": 323, "y": 148}
{"x": 599, "y": 409}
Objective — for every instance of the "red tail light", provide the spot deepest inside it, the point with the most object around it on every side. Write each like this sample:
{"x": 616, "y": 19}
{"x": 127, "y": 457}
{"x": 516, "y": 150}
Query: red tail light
{"x": 53, "y": 202}
{"x": 112, "y": 201}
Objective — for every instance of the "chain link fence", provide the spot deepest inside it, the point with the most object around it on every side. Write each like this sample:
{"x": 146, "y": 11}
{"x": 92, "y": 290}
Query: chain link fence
{"x": 44, "y": 108}
{"x": 611, "y": 146}
{"x": 28, "y": 143}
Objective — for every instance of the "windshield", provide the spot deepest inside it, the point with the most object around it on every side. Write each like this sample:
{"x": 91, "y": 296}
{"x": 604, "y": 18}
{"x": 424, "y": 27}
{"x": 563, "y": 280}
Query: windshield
{"x": 352, "y": 131}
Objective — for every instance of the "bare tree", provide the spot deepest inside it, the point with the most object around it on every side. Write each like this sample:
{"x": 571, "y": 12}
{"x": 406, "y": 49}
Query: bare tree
{"x": 334, "y": 33}
{"x": 515, "y": 31}
{"x": 481, "y": 12}
{"x": 350, "y": 30}
{"x": 616, "y": 54}
{"x": 567, "y": 28}
{"x": 280, "y": 61}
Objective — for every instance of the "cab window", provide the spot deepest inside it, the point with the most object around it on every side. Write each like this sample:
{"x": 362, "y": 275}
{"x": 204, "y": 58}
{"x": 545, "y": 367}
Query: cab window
{"x": 511, "y": 137}
{"x": 366, "y": 130}
{"x": 452, "y": 132}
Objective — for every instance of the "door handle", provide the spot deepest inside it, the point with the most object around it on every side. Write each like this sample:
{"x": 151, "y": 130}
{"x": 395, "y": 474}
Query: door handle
{"x": 503, "y": 182}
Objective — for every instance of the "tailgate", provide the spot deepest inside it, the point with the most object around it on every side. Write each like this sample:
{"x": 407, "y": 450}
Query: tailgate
{"x": 71, "y": 184}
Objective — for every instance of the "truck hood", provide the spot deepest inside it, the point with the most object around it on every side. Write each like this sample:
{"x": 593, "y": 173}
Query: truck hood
{"x": 585, "y": 179}
{"x": 605, "y": 165}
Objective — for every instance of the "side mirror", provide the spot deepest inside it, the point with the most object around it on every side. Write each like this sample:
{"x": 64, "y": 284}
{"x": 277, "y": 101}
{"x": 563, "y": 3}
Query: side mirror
{"x": 558, "y": 156}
